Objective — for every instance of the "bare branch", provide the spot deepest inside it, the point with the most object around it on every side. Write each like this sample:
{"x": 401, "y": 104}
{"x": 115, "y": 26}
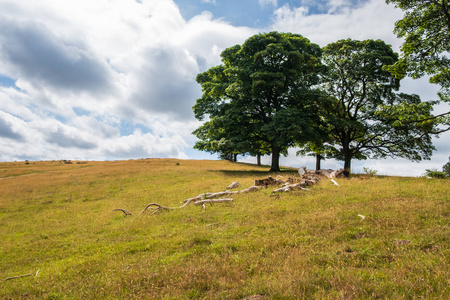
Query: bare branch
{"x": 127, "y": 213}
{"x": 20, "y": 276}
{"x": 211, "y": 201}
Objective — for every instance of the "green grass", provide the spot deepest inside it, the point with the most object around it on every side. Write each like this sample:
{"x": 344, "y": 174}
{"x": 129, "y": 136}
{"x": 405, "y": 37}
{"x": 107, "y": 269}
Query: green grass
{"x": 58, "y": 218}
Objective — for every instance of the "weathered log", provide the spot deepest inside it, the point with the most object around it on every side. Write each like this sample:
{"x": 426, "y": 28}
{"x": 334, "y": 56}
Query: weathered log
{"x": 341, "y": 173}
{"x": 250, "y": 189}
{"x": 268, "y": 181}
{"x": 211, "y": 201}
{"x": 288, "y": 188}
{"x": 234, "y": 185}
{"x": 210, "y": 196}
{"x": 301, "y": 171}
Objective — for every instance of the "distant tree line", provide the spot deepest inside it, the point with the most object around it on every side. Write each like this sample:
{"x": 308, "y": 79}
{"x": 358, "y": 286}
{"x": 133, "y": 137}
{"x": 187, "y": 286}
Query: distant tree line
{"x": 279, "y": 90}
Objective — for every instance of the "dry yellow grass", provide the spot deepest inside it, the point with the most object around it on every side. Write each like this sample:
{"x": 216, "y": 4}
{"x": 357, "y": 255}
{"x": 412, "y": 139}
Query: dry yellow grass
{"x": 58, "y": 218}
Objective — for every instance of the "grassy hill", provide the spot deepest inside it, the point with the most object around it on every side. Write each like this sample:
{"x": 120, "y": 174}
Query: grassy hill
{"x": 57, "y": 218}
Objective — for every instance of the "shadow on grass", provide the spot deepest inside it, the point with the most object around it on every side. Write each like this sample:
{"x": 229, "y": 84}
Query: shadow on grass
{"x": 263, "y": 172}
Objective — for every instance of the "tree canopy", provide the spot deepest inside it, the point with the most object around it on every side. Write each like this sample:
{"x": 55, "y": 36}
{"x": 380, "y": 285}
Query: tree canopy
{"x": 426, "y": 30}
{"x": 362, "y": 122}
{"x": 263, "y": 95}
{"x": 425, "y": 51}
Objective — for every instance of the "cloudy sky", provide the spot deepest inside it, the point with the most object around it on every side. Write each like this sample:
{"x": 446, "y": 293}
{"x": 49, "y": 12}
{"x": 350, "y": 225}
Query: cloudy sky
{"x": 115, "y": 79}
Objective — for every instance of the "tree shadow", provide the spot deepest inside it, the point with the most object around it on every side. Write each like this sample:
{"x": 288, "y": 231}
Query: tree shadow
{"x": 256, "y": 173}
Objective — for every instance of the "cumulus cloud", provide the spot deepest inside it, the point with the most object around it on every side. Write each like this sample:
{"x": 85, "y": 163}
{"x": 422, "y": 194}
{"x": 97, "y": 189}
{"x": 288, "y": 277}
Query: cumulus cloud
{"x": 33, "y": 52}
{"x": 89, "y": 73}
{"x": 7, "y": 127}
{"x": 340, "y": 20}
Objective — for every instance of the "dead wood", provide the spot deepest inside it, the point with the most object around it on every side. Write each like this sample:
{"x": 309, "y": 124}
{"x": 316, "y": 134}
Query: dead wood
{"x": 127, "y": 213}
{"x": 210, "y": 196}
{"x": 20, "y": 276}
{"x": 211, "y": 201}
{"x": 253, "y": 188}
{"x": 234, "y": 185}
{"x": 268, "y": 181}
{"x": 157, "y": 207}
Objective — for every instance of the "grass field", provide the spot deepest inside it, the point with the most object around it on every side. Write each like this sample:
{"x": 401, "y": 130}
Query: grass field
{"x": 57, "y": 220}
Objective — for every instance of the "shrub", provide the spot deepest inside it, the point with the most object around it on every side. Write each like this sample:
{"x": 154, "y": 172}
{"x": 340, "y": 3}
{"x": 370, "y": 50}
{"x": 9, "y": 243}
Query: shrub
{"x": 369, "y": 171}
{"x": 434, "y": 173}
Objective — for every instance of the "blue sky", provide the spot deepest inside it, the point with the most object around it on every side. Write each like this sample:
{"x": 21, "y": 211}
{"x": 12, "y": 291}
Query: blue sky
{"x": 115, "y": 79}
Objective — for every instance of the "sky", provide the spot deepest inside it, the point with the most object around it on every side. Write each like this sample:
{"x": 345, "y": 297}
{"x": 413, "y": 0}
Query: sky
{"x": 115, "y": 79}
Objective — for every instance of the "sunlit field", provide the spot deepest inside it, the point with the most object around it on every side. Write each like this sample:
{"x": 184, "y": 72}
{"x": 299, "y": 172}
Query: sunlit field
{"x": 60, "y": 230}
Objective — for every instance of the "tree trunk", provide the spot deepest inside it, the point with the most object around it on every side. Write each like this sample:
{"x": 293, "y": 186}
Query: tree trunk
{"x": 347, "y": 161}
{"x": 318, "y": 158}
{"x": 275, "y": 167}
{"x": 258, "y": 159}
{"x": 235, "y": 158}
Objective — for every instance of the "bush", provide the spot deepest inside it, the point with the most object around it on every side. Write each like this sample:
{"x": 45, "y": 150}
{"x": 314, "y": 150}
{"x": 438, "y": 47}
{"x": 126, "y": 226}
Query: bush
{"x": 434, "y": 173}
{"x": 446, "y": 168}
{"x": 369, "y": 171}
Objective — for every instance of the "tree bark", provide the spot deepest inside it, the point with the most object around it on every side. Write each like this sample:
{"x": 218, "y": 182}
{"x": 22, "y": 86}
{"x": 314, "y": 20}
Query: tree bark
{"x": 347, "y": 161}
{"x": 258, "y": 159}
{"x": 235, "y": 157}
{"x": 275, "y": 167}
{"x": 318, "y": 158}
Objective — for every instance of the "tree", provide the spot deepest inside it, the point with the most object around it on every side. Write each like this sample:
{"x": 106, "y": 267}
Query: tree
{"x": 446, "y": 167}
{"x": 262, "y": 95}
{"x": 426, "y": 30}
{"x": 363, "y": 122}
{"x": 425, "y": 51}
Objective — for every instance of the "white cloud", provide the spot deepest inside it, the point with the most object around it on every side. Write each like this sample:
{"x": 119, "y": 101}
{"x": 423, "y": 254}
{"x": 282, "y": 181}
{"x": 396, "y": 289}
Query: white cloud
{"x": 90, "y": 73}
{"x": 341, "y": 21}
{"x": 209, "y": 1}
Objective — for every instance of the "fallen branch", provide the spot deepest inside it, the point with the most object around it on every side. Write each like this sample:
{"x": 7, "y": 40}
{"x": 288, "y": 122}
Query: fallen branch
{"x": 210, "y": 196}
{"x": 211, "y": 201}
{"x": 126, "y": 212}
{"x": 253, "y": 188}
{"x": 334, "y": 182}
{"x": 158, "y": 207}
{"x": 234, "y": 185}
{"x": 20, "y": 276}
{"x": 291, "y": 187}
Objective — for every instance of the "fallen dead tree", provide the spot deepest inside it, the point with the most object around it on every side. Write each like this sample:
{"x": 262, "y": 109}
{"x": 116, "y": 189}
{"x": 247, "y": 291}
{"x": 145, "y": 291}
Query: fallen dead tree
{"x": 307, "y": 178}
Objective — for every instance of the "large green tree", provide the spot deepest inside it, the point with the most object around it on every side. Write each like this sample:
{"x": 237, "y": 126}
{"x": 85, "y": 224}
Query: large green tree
{"x": 363, "y": 123}
{"x": 425, "y": 28}
{"x": 262, "y": 94}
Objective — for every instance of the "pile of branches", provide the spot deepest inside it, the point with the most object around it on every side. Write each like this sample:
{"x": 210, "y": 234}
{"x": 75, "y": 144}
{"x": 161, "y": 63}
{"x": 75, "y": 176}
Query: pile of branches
{"x": 306, "y": 178}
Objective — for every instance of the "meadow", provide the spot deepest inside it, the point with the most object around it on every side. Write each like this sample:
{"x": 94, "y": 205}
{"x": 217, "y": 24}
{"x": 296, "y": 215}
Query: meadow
{"x": 59, "y": 227}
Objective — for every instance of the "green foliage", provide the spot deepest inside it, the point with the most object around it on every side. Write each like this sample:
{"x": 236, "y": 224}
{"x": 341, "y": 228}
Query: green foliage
{"x": 261, "y": 99}
{"x": 446, "y": 168}
{"x": 369, "y": 171}
{"x": 425, "y": 28}
{"x": 434, "y": 173}
{"x": 364, "y": 120}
